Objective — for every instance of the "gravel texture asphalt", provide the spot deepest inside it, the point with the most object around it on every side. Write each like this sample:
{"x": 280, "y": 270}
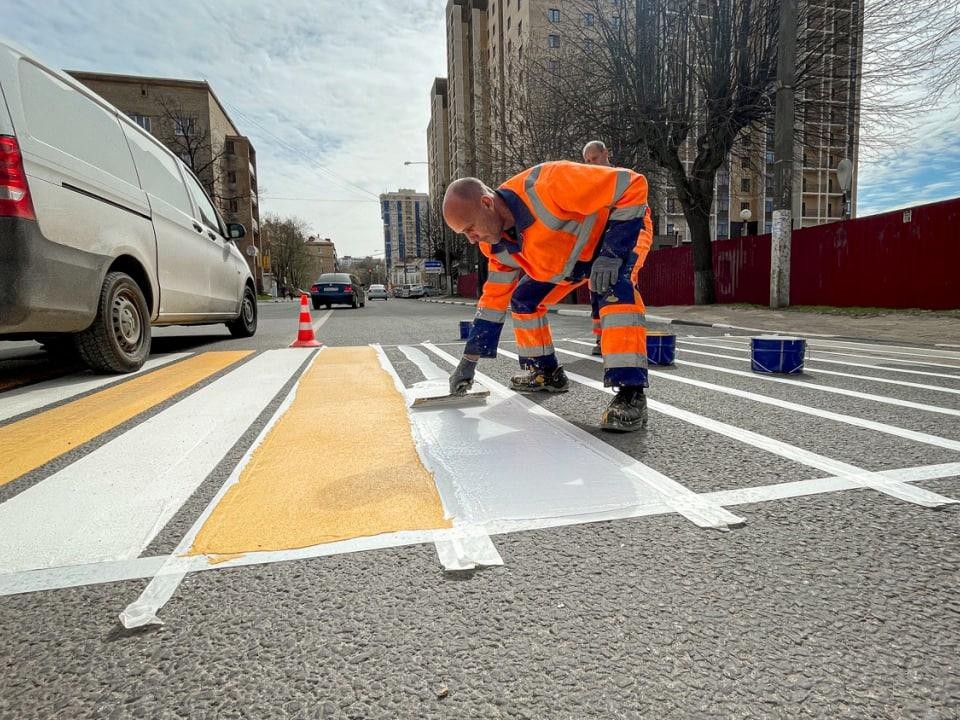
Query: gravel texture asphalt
{"x": 841, "y": 604}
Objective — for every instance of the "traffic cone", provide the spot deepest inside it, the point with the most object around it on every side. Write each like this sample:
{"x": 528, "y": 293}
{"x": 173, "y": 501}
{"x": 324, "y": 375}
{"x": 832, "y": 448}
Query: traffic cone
{"x": 305, "y": 336}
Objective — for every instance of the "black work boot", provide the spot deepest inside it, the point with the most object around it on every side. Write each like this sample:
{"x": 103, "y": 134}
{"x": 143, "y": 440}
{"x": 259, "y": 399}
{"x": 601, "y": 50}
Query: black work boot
{"x": 541, "y": 381}
{"x": 596, "y": 348}
{"x": 626, "y": 412}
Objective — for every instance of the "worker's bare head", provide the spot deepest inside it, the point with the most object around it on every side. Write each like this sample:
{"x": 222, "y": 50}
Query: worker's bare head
{"x": 470, "y": 208}
{"x": 596, "y": 153}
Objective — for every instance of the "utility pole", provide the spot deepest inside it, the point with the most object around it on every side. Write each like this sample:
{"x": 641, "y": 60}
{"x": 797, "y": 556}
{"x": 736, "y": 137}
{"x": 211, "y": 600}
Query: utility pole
{"x": 783, "y": 157}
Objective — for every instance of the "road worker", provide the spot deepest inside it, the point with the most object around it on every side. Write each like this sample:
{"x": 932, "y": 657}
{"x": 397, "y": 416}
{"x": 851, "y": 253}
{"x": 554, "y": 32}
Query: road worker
{"x": 546, "y": 232}
{"x": 596, "y": 153}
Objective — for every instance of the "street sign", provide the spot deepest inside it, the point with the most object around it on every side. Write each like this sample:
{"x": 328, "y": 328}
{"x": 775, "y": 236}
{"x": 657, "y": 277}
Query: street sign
{"x": 432, "y": 267}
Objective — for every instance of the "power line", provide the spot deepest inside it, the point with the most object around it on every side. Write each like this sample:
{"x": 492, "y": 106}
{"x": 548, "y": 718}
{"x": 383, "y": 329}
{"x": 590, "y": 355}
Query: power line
{"x": 323, "y": 200}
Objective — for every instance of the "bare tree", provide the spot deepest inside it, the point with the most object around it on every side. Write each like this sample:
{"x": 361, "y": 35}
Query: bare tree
{"x": 289, "y": 258}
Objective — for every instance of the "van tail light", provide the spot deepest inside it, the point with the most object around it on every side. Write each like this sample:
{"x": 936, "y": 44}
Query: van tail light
{"x": 348, "y": 288}
{"x": 14, "y": 193}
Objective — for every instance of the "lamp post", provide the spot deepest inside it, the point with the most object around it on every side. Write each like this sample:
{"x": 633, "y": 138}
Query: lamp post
{"x": 845, "y": 176}
{"x": 745, "y": 216}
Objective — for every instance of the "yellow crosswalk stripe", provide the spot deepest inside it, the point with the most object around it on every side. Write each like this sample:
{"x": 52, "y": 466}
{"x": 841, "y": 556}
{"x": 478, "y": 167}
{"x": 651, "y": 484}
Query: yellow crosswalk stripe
{"x": 340, "y": 463}
{"x": 29, "y": 443}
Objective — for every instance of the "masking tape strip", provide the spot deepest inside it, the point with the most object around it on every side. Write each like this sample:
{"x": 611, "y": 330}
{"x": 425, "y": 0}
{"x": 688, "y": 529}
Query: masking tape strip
{"x": 143, "y": 611}
{"x": 120, "y": 570}
{"x": 467, "y": 548}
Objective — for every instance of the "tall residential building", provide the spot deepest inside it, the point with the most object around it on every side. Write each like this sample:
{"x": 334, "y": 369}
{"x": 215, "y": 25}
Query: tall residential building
{"x": 468, "y": 94}
{"x": 405, "y": 216}
{"x": 549, "y": 29}
{"x": 438, "y": 142}
{"x": 188, "y": 117}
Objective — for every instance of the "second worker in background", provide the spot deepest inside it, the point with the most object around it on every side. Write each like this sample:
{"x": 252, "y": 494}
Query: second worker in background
{"x": 546, "y": 232}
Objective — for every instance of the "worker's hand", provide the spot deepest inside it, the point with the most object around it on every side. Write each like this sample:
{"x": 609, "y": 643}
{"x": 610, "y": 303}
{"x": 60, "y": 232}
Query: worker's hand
{"x": 604, "y": 273}
{"x": 461, "y": 379}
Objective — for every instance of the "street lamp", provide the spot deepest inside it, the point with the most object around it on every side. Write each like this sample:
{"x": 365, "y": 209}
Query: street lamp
{"x": 415, "y": 162}
{"x": 845, "y": 176}
{"x": 745, "y": 216}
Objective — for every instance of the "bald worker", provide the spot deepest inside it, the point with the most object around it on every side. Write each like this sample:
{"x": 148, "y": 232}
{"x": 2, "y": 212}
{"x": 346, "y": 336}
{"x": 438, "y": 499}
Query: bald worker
{"x": 547, "y": 231}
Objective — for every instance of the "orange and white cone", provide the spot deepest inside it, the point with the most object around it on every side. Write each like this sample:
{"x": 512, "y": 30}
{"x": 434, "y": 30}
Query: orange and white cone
{"x": 305, "y": 336}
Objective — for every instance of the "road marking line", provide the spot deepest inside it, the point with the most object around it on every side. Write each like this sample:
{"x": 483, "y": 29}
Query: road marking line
{"x": 646, "y": 483}
{"x": 810, "y": 359}
{"x": 34, "y": 397}
{"x": 36, "y": 440}
{"x": 143, "y": 610}
{"x": 889, "y": 349}
{"x": 808, "y": 372}
{"x": 920, "y": 437}
{"x": 116, "y": 571}
{"x": 111, "y": 503}
{"x": 340, "y": 463}
{"x": 866, "y": 478}
{"x": 321, "y": 320}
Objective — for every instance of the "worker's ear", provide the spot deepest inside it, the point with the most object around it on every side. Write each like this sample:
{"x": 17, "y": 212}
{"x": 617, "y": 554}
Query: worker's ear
{"x": 486, "y": 202}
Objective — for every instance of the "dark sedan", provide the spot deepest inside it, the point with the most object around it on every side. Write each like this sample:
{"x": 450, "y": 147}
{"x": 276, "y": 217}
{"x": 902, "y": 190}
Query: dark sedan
{"x": 337, "y": 289}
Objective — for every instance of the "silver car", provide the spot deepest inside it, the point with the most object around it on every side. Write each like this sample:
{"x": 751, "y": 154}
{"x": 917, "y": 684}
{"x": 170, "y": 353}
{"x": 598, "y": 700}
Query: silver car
{"x": 377, "y": 292}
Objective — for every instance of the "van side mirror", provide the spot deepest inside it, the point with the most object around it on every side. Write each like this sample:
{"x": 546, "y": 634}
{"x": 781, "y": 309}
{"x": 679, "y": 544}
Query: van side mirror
{"x": 235, "y": 231}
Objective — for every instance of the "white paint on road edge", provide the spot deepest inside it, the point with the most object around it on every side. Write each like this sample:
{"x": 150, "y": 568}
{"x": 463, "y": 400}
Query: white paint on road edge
{"x": 38, "y": 396}
{"x": 143, "y": 611}
{"x": 95, "y": 573}
{"x": 321, "y": 320}
{"x": 467, "y": 548}
{"x": 864, "y": 478}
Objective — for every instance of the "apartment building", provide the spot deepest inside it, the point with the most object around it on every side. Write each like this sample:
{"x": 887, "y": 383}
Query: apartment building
{"x": 554, "y": 31}
{"x": 405, "y": 216}
{"x": 188, "y": 117}
{"x": 322, "y": 257}
{"x": 438, "y": 141}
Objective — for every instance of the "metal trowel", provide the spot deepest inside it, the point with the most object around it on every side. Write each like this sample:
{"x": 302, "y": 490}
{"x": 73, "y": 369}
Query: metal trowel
{"x": 436, "y": 394}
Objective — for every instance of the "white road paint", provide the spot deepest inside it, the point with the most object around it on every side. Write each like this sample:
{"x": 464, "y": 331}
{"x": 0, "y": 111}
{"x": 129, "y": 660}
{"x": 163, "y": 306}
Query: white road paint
{"x": 35, "y": 397}
{"x": 321, "y": 320}
{"x": 863, "y": 477}
{"x": 808, "y": 372}
{"x": 119, "y": 570}
{"x": 919, "y": 437}
{"x": 811, "y": 359}
{"x": 143, "y": 611}
{"x": 514, "y": 460}
{"x": 109, "y": 504}
{"x": 885, "y": 349}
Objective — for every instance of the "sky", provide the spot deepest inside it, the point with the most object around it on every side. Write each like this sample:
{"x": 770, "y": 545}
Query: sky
{"x": 335, "y": 96}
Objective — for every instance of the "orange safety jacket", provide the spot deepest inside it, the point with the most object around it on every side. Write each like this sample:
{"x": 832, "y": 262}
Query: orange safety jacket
{"x": 565, "y": 213}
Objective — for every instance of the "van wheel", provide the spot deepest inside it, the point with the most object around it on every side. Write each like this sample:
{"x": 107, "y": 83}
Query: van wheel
{"x": 118, "y": 341}
{"x": 246, "y": 323}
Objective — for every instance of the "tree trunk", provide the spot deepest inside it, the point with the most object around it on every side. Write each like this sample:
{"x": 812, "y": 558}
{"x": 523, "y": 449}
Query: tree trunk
{"x": 699, "y": 224}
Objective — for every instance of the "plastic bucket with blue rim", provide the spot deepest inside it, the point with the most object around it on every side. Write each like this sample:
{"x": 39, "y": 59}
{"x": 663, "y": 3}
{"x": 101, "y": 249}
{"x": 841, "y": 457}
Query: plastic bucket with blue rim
{"x": 661, "y": 348}
{"x": 777, "y": 354}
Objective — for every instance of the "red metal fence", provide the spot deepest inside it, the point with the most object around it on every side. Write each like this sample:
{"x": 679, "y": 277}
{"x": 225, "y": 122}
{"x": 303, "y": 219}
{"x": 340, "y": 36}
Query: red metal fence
{"x": 897, "y": 260}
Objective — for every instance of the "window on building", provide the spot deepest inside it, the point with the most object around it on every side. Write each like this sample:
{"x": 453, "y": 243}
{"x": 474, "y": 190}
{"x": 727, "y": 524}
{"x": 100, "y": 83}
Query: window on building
{"x": 671, "y": 205}
{"x": 745, "y": 205}
{"x": 588, "y": 19}
{"x": 615, "y": 22}
{"x": 744, "y": 184}
{"x": 553, "y": 15}
{"x": 553, "y": 41}
{"x": 232, "y": 177}
{"x": 670, "y": 228}
{"x": 184, "y": 126}
{"x": 553, "y": 65}
{"x": 830, "y": 185}
{"x": 519, "y": 28}
{"x": 830, "y": 209}
{"x": 234, "y": 205}
{"x": 588, "y": 45}
{"x": 508, "y": 23}
{"x": 745, "y": 161}
{"x": 141, "y": 120}
{"x": 228, "y": 147}
{"x": 769, "y": 157}
{"x": 768, "y": 206}
{"x": 803, "y": 209}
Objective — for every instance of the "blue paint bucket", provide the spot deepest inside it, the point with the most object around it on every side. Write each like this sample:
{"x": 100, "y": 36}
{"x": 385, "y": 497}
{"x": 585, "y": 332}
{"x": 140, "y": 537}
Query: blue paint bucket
{"x": 465, "y": 329}
{"x": 777, "y": 354}
{"x": 661, "y": 348}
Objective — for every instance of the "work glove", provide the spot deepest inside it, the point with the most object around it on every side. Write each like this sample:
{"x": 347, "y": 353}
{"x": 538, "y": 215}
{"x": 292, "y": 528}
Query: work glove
{"x": 604, "y": 273}
{"x": 461, "y": 379}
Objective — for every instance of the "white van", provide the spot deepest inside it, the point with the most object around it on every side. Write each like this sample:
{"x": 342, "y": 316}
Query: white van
{"x": 103, "y": 231}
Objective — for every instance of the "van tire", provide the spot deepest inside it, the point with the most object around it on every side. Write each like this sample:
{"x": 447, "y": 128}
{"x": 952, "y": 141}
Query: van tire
{"x": 60, "y": 346}
{"x": 118, "y": 341}
{"x": 246, "y": 323}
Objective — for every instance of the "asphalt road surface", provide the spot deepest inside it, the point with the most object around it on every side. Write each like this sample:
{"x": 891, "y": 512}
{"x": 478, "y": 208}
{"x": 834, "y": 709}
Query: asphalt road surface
{"x": 833, "y": 595}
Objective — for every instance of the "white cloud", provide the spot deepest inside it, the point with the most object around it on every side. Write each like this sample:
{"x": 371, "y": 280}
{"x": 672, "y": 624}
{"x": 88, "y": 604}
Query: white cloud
{"x": 314, "y": 83}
